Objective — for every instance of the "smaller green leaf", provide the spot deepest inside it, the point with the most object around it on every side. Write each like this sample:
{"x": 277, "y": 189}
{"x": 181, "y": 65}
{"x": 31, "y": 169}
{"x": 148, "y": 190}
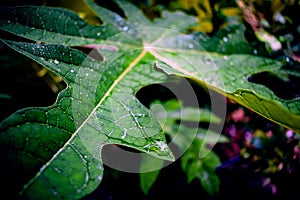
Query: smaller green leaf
{"x": 202, "y": 169}
{"x": 190, "y": 142}
{"x": 194, "y": 115}
{"x": 177, "y": 112}
{"x": 149, "y": 171}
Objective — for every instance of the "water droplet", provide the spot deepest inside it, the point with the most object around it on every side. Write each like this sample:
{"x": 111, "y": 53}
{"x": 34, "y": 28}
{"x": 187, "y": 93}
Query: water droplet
{"x": 255, "y": 52}
{"x": 124, "y": 134}
{"x": 147, "y": 147}
{"x": 85, "y": 156}
{"x": 56, "y": 61}
{"x": 72, "y": 70}
{"x": 225, "y": 39}
{"x": 287, "y": 59}
{"x": 86, "y": 74}
{"x": 100, "y": 167}
{"x": 173, "y": 26}
{"x": 8, "y": 21}
{"x": 214, "y": 83}
{"x": 98, "y": 34}
{"x": 125, "y": 28}
{"x": 225, "y": 58}
{"x": 205, "y": 176}
{"x": 131, "y": 32}
{"x": 208, "y": 61}
{"x": 190, "y": 45}
{"x": 161, "y": 145}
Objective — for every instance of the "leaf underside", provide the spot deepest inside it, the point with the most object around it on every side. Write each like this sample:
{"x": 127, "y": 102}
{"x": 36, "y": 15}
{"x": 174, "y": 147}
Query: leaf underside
{"x": 55, "y": 151}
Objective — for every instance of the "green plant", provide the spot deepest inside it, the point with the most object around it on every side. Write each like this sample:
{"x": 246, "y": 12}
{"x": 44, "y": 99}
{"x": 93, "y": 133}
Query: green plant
{"x": 55, "y": 151}
{"x": 190, "y": 141}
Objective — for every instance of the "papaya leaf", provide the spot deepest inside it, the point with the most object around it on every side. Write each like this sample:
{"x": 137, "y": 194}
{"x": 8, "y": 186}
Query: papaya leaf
{"x": 55, "y": 152}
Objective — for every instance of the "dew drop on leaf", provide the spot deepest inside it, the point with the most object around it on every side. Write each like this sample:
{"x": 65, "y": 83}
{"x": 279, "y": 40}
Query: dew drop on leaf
{"x": 162, "y": 146}
{"x": 208, "y": 61}
{"x": 225, "y": 39}
{"x": 205, "y": 176}
{"x": 124, "y": 134}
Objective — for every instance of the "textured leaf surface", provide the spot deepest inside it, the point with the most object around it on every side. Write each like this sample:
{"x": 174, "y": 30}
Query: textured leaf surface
{"x": 55, "y": 152}
{"x": 52, "y": 25}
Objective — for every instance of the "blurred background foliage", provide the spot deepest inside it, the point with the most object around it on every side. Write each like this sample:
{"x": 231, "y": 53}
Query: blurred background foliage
{"x": 261, "y": 158}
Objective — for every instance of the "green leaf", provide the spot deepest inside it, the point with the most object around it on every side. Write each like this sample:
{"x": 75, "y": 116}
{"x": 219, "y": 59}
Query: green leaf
{"x": 228, "y": 40}
{"x": 189, "y": 141}
{"x": 202, "y": 169}
{"x": 55, "y": 152}
{"x": 233, "y": 72}
{"x": 149, "y": 171}
{"x": 97, "y": 108}
{"x": 193, "y": 163}
{"x": 52, "y": 25}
